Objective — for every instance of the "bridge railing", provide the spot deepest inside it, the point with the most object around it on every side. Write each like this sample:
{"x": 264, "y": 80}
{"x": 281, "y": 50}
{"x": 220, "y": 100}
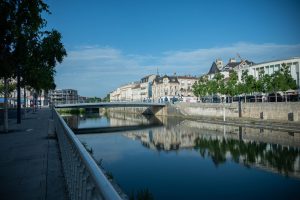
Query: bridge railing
{"x": 84, "y": 179}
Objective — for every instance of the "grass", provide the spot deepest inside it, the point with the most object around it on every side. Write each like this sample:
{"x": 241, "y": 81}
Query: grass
{"x": 72, "y": 111}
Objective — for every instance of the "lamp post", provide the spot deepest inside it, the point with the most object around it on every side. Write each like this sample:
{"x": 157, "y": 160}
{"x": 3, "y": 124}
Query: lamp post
{"x": 224, "y": 112}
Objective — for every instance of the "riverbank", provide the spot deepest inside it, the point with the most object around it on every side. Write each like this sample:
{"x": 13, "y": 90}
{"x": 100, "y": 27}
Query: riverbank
{"x": 277, "y": 116}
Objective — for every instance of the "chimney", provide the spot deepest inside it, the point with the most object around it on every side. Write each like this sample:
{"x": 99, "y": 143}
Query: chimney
{"x": 232, "y": 60}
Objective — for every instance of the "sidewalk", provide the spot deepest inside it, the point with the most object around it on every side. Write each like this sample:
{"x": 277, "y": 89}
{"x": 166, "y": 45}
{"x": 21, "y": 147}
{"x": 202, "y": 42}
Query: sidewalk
{"x": 30, "y": 166}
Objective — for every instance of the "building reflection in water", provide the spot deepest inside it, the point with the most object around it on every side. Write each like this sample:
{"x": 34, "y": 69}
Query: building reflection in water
{"x": 270, "y": 150}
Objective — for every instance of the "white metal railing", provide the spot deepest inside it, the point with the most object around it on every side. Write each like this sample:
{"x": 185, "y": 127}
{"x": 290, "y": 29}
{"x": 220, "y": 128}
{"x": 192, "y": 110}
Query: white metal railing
{"x": 84, "y": 178}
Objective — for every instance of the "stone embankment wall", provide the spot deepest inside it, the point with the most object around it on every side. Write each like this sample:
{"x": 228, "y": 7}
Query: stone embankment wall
{"x": 282, "y": 111}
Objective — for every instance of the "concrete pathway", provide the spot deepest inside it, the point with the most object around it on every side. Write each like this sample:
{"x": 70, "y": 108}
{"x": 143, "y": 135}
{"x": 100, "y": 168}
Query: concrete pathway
{"x": 30, "y": 166}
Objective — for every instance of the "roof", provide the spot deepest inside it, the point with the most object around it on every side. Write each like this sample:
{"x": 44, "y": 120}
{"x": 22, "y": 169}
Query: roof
{"x": 213, "y": 69}
{"x": 136, "y": 86}
{"x": 233, "y": 65}
{"x": 172, "y": 79}
{"x": 187, "y": 77}
{"x": 147, "y": 76}
{"x": 277, "y": 60}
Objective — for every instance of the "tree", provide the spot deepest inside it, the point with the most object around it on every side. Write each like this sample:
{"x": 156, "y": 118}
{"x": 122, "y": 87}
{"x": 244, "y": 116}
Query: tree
{"x": 231, "y": 84}
{"x": 282, "y": 80}
{"x": 26, "y": 51}
{"x": 248, "y": 83}
{"x": 200, "y": 87}
{"x": 6, "y": 48}
{"x": 107, "y": 98}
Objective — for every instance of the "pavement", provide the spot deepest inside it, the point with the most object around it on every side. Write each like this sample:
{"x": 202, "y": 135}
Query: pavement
{"x": 30, "y": 164}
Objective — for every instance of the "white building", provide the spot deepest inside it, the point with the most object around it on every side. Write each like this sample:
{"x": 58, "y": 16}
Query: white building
{"x": 146, "y": 86}
{"x": 272, "y": 66}
{"x": 128, "y": 92}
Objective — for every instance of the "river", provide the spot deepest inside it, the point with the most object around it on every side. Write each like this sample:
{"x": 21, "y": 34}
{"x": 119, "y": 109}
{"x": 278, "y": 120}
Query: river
{"x": 172, "y": 158}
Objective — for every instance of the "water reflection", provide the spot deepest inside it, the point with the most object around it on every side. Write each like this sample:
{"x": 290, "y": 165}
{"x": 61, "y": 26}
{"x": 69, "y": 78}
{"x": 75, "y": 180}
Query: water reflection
{"x": 274, "y": 151}
{"x": 110, "y": 119}
{"x": 272, "y": 157}
{"x": 186, "y": 159}
{"x": 270, "y": 150}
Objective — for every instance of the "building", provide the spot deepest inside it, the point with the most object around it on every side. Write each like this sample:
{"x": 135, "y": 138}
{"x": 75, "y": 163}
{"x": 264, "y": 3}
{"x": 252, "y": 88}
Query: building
{"x": 128, "y": 92}
{"x": 270, "y": 67}
{"x": 154, "y": 87}
{"x": 165, "y": 87}
{"x": 232, "y": 65}
{"x": 146, "y": 86}
{"x": 186, "y": 85}
{"x": 29, "y": 97}
{"x": 215, "y": 67}
{"x": 135, "y": 91}
{"x": 63, "y": 96}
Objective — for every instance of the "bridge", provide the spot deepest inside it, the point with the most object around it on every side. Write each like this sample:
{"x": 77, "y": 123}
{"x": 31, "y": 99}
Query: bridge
{"x": 111, "y": 104}
{"x": 150, "y": 108}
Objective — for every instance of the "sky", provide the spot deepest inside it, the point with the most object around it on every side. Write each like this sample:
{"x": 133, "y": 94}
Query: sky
{"x": 114, "y": 42}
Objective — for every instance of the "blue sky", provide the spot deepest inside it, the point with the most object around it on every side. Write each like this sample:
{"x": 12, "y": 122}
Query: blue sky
{"x": 113, "y": 42}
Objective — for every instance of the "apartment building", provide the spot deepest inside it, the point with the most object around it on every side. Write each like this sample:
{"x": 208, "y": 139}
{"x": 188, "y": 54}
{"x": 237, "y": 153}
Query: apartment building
{"x": 63, "y": 96}
{"x": 186, "y": 85}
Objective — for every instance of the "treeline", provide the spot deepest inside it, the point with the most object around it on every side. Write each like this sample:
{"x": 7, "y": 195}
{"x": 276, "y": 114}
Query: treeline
{"x": 28, "y": 52}
{"x": 280, "y": 80}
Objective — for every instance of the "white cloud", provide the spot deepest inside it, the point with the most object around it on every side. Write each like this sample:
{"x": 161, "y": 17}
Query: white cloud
{"x": 95, "y": 70}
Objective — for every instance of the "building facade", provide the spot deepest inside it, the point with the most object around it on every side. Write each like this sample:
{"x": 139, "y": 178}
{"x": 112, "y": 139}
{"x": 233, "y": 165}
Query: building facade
{"x": 29, "y": 97}
{"x": 186, "y": 85}
{"x": 232, "y": 65}
{"x": 128, "y": 92}
{"x": 63, "y": 96}
{"x": 146, "y": 87}
{"x": 272, "y": 66}
{"x": 165, "y": 87}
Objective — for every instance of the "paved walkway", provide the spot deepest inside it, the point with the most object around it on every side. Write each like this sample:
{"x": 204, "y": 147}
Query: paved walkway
{"x": 30, "y": 166}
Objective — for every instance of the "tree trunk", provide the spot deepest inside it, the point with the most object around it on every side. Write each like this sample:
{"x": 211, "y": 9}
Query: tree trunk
{"x": 5, "y": 105}
{"x": 276, "y": 97}
{"x": 40, "y": 101}
{"x": 24, "y": 102}
{"x": 18, "y": 96}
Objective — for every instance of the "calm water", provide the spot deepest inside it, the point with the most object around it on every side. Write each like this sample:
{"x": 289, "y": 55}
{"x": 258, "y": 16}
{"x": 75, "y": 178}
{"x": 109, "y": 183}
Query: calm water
{"x": 183, "y": 159}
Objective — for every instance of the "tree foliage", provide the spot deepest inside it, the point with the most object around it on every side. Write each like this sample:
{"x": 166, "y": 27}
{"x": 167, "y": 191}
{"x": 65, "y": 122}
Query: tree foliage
{"x": 280, "y": 80}
{"x": 25, "y": 47}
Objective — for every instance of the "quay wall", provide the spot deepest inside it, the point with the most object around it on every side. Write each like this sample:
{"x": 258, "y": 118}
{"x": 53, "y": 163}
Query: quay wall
{"x": 280, "y": 111}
